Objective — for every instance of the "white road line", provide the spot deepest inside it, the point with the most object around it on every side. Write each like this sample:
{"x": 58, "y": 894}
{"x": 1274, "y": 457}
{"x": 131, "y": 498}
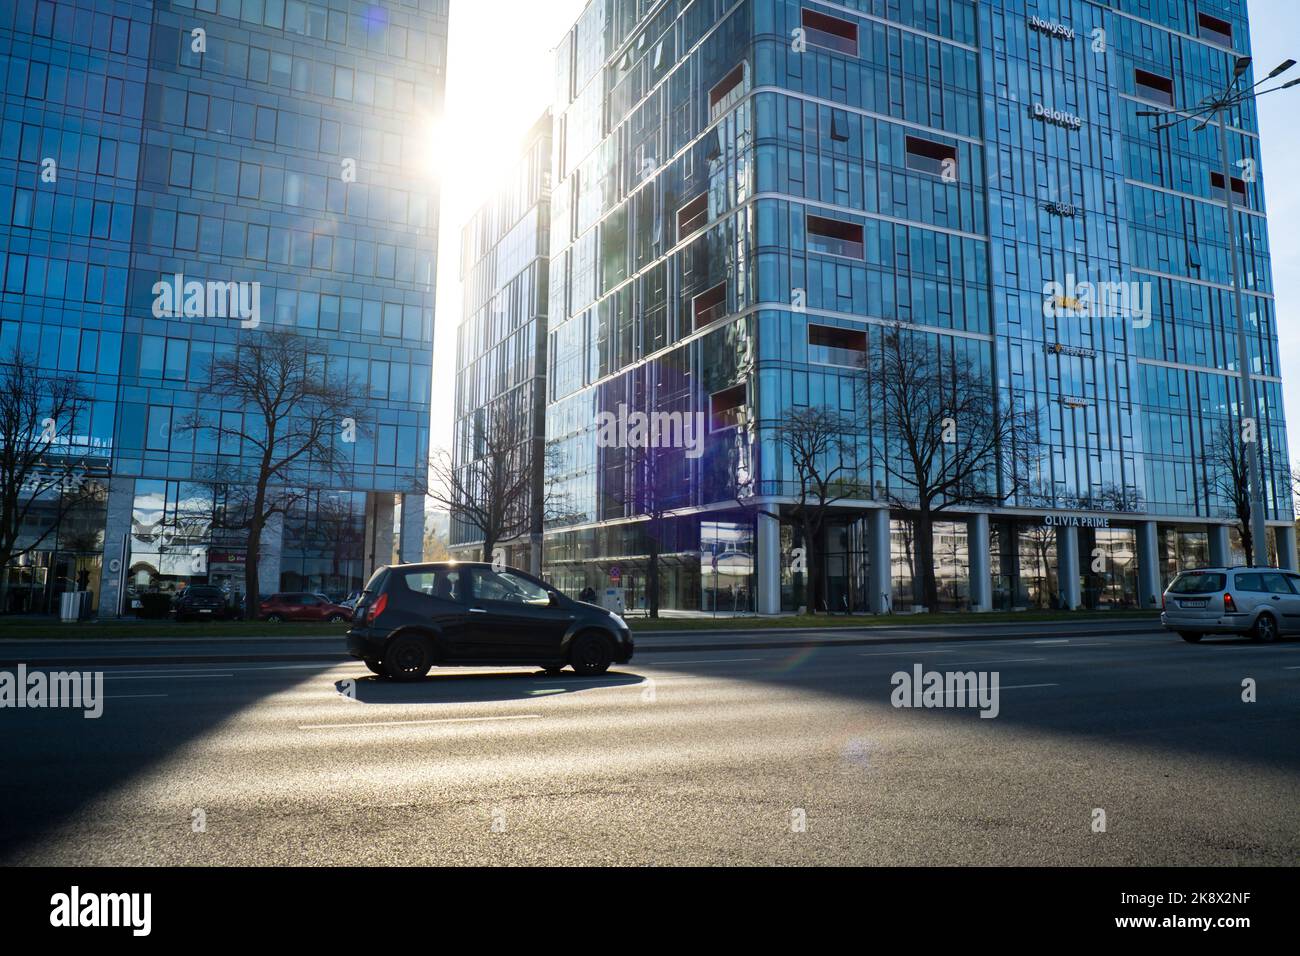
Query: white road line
{"x": 720, "y": 660}
{"x": 401, "y": 723}
{"x": 165, "y": 676}
{"x": 902, "y": 653}
{"x": 1005, "y": 660}
{"x": 1054, "y": 640}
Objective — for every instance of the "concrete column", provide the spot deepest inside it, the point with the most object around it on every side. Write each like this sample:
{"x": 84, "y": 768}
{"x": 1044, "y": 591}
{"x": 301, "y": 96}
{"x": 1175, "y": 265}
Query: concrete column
{"x": 411, "y": 538}
{"x": 879, "y": 599}
{"x": 268, "y": 561}
{"x": 977, "y": 549}
{"x": 379, "y": 530}
{"x": 1286, "y": 556}
{"x": 1067, "y": 565}
{"x": 1219, "y": 556}
{"x": 1148, "y": 555}
{"x": 768, "y": 559}
{"x": 535, "y": 555}
{"x": 117, "y": 529}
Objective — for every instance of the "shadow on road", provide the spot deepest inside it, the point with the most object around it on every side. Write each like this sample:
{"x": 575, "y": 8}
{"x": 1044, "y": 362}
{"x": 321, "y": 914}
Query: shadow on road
{"x": 444, "y": 688}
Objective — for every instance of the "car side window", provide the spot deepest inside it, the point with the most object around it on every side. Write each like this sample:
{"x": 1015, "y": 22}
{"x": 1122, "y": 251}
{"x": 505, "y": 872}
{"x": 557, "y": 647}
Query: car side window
{"x": 1249, "y": 582}
{"x": 1277, "y": 583}
{"x": 307, "y": 599}
{"x": 445, "y": 584}
{"x": 509, "y": 588}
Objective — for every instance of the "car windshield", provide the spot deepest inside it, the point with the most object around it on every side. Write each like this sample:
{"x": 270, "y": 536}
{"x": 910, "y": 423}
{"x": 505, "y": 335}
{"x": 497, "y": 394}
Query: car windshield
{"x": 1197, "y": 582}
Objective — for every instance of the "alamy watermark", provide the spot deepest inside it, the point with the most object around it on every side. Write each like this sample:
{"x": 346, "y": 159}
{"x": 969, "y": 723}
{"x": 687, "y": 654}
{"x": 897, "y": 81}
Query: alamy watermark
{"x": 634, "y": 429}
{"x": 937, "y": 689}
{"x": 82, "y": 690}
{"x": 1098, "y": 300}
{"x": 175, "y": 297}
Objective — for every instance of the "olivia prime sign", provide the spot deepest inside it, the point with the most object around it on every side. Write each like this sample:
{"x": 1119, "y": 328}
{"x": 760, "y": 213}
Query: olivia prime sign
{"x": 1075, "y": 521}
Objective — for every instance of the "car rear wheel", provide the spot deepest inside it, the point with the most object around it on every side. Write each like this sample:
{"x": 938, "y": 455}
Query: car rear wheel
{"x": 555, "y": 670}
{"x": 407, "y": 658}
{"x": 274, "y": 618}
{"x": 1189, "y": 637}
{"x": 590, "y": 655}
{"x": 1265, "y": 629}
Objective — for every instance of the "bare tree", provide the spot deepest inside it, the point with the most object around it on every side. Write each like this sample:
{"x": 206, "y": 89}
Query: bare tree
{"x": 1227, "y": 476}
{"x": 43, "y": 477}
{"x": 493, "y": 488}
{"x": 951, "y": 442}
{"x": 295, "y": 419}
{"x": 815, "y": 442}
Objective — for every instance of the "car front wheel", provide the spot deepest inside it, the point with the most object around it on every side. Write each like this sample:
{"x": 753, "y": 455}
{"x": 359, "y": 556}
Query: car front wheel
{"x": 335, "y": 619}
{"x": 376, "y": 666}
{"x": 1265, "y": 629}
{"x": 1189, "y": 637}
{"x": 274, "y": 618}
{"x": 590, "y": 655}
{"x": 407, "y": 658}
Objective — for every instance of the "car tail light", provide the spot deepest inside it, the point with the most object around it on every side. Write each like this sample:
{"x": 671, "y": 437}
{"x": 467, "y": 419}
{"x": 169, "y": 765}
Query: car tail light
{"x": 1229, "y": 605}
{"x": 376, "y": 609}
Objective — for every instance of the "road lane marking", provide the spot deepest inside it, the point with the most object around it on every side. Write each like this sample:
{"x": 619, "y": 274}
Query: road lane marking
{"x": 164, "y": 676}
{"x": 727, "y": 660}
{"x": 1005, "y": 660}
{"x": 403, "y": 723}
{"x": 903, "y": 653}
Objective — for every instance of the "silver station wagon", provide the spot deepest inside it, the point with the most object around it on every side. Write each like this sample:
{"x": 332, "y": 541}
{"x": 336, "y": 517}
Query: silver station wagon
{"x": 1263, "y": 603}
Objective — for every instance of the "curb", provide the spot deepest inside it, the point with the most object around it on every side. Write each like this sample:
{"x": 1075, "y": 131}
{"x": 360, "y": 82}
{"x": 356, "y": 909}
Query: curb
{"x": 655, "y": 648}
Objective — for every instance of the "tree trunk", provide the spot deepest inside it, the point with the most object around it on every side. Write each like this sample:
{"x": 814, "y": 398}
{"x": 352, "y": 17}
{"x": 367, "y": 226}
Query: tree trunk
{"x": 253, "y": 551}
{"x": 925, "y": 560}
{"x": 652, "y": 579}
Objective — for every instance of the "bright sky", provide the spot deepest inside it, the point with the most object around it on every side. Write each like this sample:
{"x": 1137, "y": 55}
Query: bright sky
{"x": 500, "y": 79}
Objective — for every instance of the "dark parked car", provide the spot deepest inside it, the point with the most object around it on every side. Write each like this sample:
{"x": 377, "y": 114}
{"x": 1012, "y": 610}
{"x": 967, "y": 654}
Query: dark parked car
{"x": 414, "y": 616}
{"x": 302, "y": 606}
{"x": 199, "y": 602}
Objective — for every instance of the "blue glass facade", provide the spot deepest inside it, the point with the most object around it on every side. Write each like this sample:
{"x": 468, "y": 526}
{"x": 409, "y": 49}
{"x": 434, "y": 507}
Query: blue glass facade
{"x": 275, "y": 142}
{"x": 748, "y": 195}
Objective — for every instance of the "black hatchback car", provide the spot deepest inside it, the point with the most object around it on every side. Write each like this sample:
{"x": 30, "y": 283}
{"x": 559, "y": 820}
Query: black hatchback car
{"x": 411, "y": 617}
{"x": 200, "y": 602}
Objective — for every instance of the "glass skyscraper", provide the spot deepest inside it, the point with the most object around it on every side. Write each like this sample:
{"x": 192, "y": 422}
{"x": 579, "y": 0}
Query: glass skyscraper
{"x": 749, "y": 196}
{"x": 501, "y": 353}
{"x": 276, "y": 142}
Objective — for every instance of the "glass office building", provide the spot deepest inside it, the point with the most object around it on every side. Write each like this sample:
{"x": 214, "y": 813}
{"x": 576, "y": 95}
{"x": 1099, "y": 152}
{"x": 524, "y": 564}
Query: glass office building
{"x": 749, "y": 195}
{"x": 501, "y": 351}
{"x": 277, "y": 142}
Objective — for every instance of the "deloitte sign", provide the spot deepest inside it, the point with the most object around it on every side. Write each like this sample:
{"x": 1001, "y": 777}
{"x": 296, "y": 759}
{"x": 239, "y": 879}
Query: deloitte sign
{"x": 1057, "y": 117}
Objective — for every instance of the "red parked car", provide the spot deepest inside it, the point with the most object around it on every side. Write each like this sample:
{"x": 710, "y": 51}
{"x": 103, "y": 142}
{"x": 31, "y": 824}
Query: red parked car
{"x": 300, "y": 606}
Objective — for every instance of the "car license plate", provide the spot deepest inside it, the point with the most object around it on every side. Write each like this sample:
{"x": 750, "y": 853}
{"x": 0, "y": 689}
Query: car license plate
{"x": 1191, "y": 604}
{"x": 205, "y": 610}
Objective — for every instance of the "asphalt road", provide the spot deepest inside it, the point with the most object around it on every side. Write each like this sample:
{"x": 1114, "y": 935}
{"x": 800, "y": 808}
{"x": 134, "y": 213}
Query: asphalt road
{"x": 773, "y": 755}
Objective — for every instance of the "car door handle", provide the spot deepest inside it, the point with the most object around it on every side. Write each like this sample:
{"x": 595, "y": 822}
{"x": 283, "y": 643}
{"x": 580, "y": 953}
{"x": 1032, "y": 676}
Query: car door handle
{"x": 478, "y": 610}
{"x": 1276, "y": 598}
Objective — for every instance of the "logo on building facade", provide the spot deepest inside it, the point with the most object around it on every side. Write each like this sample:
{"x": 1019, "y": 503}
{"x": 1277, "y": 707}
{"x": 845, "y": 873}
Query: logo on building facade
{"x": 1052, "y": 28}
{"x": 1075, "y": 521}
{"x": 1061, "y": 118}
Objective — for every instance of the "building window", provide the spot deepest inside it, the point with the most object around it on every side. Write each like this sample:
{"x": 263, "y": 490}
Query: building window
{"x": 1213, "y": 29}
{"x": 1216, "y": 186}
{"x": 834, "y": 238}
{"x": 831, "y": 33}
{"x": 927, "y": 156}
{"x": 692, "y": 216}
{"x": 727, "y": 92}
{"x": 710, "y": 306}
{"x": 832, "y": 346}
{"x": 839, "y": 126}
{"x": 1154, "y": 87}
{"x": 727, "y": 408}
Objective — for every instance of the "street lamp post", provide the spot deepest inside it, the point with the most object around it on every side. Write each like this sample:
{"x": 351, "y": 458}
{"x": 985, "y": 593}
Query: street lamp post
{"x": 1216, "y": 109}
